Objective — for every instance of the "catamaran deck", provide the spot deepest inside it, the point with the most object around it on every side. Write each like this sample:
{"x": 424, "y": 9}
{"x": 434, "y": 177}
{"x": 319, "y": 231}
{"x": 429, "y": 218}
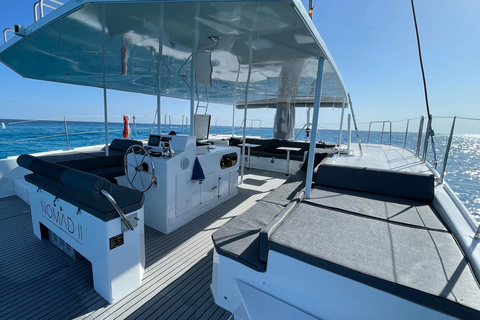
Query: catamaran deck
{"x": 40, "y": 281}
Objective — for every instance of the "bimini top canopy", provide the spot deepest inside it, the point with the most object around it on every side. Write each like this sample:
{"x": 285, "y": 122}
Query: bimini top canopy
{"x": 146, "y": 47}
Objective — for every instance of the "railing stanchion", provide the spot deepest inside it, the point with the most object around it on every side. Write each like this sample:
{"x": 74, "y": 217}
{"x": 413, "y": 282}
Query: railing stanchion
{"x": 66, "y": 132}
{"x": 390, "y": 122}
{"x": 419, "y": 138}
{"x": 427, "y": 136}
{"x": 406, "y": 134}
{"x": 447, "y": 150}
{"x": 167, "y": 116}
{"x": 349, "y": 132}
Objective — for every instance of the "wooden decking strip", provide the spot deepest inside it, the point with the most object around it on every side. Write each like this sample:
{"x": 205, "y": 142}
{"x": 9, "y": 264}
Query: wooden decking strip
{"x": 40, "y": 281}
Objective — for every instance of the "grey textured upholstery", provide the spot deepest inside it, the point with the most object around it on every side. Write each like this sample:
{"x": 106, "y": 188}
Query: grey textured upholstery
{"x": 239, "y": 238}
{"x": 423, "y": 266}
{"x": 271, "y": 227}
{"x": 396, "y": 209}
{"x": 290, "y": 190}
{"x": 394, "y": 183}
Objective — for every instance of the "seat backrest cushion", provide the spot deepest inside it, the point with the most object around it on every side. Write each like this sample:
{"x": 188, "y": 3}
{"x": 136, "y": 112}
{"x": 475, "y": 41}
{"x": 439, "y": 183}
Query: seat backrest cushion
{"x": 402, "y": 184}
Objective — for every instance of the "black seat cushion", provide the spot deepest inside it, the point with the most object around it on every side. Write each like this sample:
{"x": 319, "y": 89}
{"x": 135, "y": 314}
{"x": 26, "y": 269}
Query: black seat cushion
{"x": 123, "y": 144}
{"x": 393, "y": 183}
{"x": 129, "y": 200}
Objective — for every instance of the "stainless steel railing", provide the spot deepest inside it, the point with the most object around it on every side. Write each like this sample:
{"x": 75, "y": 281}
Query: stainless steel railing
{"x": 38, "y": 7}
{"x": 381, "y": 132}
{"x": 5, "y": 33}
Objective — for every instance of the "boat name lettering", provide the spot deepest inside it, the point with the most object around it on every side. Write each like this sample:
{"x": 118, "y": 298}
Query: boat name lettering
{"x": 65, "y": 223}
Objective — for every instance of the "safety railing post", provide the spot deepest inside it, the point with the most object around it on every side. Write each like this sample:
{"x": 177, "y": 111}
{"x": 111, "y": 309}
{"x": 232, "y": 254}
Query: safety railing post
{"x": 390, "y": 122}
{"x": 66, "y": 132}
{"x": 427, "y": 136}
{"x": 406, "y": 134}
{"x": 167, "y": 116}
{"x": 419, "y": 138}
{"x": 447, "y": 150}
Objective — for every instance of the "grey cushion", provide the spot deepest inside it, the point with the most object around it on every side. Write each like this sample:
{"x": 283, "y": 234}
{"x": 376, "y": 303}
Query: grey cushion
{"x": 390, "y": 208}
{"x": 290, "y": 190}
{"x": 394, "y": 183}
{"x": 423, "y": 266}
{"x": 271, "y": 227}
{"x": 239, "y": 238}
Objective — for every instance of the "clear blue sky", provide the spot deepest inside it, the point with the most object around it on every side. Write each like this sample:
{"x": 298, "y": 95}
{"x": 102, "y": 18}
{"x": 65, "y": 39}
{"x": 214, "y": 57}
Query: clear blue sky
{"x": 372, "y": 42}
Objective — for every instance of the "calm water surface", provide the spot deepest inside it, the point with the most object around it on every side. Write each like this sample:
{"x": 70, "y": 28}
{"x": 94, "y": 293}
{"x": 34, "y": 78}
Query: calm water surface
{"x": 462, "y": 174}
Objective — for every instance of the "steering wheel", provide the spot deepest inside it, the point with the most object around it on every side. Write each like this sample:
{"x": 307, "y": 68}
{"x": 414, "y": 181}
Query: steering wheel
{"x": 141, "y": 175}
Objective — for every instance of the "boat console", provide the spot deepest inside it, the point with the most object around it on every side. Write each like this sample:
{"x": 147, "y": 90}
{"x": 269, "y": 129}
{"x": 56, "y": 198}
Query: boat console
{"x": 100, "y": 220}
{"x": 180, "y": 180}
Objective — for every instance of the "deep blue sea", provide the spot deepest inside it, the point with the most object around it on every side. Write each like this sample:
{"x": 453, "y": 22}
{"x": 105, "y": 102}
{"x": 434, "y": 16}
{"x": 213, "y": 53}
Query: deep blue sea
{"x": 462, "y": 174}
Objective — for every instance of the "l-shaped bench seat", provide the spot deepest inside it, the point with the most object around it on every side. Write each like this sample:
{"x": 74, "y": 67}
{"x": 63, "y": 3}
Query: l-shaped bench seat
{"x": 81, "y": 189}
{"x": 240, "y": 238}
{"x": 268, "y": 147}
{"x": 96, "y": 162}
{"x": 378, "y": 228}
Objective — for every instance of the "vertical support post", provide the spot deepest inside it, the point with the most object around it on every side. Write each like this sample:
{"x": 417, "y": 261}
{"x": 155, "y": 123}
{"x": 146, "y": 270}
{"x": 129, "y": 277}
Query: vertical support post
{"x": 159, "y": 62}
{"x": 192, "y": 72}
{"x": 308, "y": 130}
{"x": 233, "y": 118}
{"x": 406, "y": 134}
{"x": 349, "y": 132}
{"x": 66, "y": 132}
{"x": 355, "y": 124}
{"x": 316, "y": 107}
{"x": 242, "y": 162}
{"x": 341, "y": 126}
{"x": 427, "y": 136}
{"x": 447, "y": 150}
{"x": 235, "y": 102}
{"x": 105, "y": 104}
{"x": 159, "y": 110}
{"x": 419, "y": 138}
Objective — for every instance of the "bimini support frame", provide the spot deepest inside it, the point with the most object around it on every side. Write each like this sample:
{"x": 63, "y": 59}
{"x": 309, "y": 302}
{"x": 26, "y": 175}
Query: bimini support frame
{"x": 313, "y": 137}
{"x": 159, "y": 62}
{"x": 105, "y": 104}
{"x": 192, "y": 72}
{"x": 242, "y": 162}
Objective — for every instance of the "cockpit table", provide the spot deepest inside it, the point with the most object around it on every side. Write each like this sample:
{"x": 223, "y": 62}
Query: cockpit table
{"x": 248, "y": 146}
{"x": 288, "y": 149}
